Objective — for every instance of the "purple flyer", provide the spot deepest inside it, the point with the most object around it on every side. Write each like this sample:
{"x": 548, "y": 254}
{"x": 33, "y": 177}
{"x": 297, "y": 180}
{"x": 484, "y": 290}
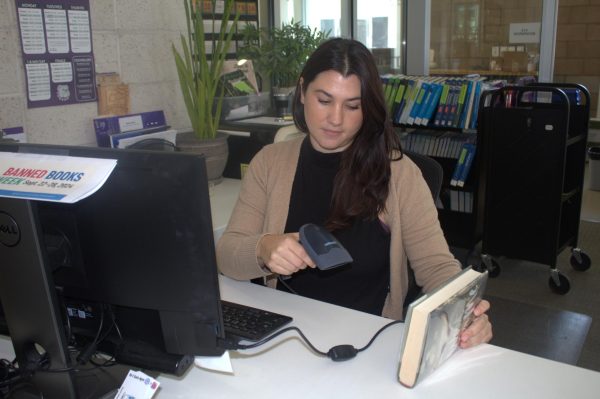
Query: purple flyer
{"x": 56, "y": 41}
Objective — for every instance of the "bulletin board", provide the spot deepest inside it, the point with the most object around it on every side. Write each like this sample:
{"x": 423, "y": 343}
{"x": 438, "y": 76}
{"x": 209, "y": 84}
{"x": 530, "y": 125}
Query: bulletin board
{"x": 56, "y": 43}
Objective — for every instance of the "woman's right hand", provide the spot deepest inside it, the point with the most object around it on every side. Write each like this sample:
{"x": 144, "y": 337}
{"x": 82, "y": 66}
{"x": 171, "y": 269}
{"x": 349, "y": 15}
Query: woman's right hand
{"x": 283, "y": 254}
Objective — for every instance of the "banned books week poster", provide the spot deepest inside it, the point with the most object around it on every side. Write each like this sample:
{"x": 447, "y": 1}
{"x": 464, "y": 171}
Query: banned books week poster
{"x": 56, "y": 42}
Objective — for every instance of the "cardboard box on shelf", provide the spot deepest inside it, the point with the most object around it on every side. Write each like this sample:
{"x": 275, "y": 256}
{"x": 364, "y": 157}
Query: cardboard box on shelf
{"x": 113, "y": 95}
{"x": 514, "y": 61}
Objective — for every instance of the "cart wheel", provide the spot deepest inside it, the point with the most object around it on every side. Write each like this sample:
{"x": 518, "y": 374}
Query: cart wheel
{"x": 495, "y": 269}
{"x": 562, "y": 286}
{"x": 490, "y": 265}
{"x": 580, "y": 261}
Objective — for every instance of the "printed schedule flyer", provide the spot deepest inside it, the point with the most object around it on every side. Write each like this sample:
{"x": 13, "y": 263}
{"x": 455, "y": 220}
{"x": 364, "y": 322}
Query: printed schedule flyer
{"x": 56, "y": 39}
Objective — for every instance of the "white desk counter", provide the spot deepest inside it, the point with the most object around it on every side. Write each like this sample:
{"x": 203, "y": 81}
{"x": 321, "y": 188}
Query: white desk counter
{"x": 286, "y": 368}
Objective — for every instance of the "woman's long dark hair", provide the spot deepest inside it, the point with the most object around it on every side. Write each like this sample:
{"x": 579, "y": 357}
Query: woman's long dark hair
{"x": 361, "y": 185}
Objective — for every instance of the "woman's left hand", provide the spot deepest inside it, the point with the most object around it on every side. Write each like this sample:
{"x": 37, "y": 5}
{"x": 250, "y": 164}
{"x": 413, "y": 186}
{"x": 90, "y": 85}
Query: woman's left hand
{"x": 480, "y": 330}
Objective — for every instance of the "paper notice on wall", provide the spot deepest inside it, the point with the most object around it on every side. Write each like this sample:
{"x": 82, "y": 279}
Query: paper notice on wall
{"x": 524, "y": 32}
{"x": 56, "y": 39}
{"x": 52, "y": 177}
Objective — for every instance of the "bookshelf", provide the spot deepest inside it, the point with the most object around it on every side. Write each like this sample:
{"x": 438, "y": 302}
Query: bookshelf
{"x": 460, "y": 208}
{"x": 534, "y": 175}
{"x": 446, "y": 120}
{"x": 511, "y": 76}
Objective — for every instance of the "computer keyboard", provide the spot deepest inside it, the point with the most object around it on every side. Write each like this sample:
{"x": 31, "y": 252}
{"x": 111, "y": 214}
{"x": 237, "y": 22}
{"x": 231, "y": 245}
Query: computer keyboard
{"x": 250, "y": 323}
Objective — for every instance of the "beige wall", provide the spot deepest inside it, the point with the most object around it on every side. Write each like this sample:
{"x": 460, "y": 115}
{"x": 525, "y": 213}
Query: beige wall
{"x": 578, "y": 45}
{"x": 131, "y": 37}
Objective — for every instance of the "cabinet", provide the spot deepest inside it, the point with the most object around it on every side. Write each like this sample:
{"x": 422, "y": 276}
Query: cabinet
{"x": 532, "y": 146}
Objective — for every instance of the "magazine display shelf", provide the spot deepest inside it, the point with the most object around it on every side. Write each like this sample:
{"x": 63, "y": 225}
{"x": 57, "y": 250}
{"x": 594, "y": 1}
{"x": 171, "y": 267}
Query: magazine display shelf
{"x": 533, "y": 141}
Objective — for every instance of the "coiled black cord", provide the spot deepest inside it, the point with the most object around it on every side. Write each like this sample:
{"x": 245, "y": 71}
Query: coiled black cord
{"x": 337, "y": 353}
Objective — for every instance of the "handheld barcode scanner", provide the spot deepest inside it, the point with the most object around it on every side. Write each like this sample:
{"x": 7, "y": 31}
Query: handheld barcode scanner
{"x": 323, "y": 247}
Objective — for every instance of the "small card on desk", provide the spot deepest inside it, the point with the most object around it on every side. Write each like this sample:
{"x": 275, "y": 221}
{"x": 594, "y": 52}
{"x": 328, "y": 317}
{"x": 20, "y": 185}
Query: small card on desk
{"x": 137, "y": 385}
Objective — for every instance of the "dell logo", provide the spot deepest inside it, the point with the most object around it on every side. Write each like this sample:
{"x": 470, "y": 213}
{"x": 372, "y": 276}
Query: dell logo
{"x": 8, "y": 229}
{"x": 10, "y": 235}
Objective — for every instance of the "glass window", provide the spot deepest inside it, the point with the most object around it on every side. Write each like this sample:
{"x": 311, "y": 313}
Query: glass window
{"x": 323, "y": 14}
{"x": 488, "y": 37}
{"x": 377, "y": 24}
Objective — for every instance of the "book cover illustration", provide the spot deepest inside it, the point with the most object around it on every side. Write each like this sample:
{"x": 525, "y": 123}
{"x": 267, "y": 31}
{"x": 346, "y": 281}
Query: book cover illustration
{"x": 445, "y": 325}
{"x": 434, "y": 322}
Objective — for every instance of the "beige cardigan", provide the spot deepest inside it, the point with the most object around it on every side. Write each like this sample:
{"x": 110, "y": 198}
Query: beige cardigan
{"x": 263, "y": 204}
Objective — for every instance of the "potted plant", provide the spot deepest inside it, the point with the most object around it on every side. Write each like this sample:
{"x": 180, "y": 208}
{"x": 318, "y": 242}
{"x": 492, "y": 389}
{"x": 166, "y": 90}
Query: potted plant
{"x": 199, "y": 75}
{"x": 279, "y": 54}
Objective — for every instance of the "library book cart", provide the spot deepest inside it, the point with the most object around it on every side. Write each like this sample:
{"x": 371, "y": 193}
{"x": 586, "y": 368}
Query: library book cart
{"x": 533, "y": 141}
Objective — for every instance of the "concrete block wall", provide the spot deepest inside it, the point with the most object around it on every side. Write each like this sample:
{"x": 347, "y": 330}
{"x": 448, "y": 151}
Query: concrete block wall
{"x": 130, "y": 37}
{"x": 577, "y": 57}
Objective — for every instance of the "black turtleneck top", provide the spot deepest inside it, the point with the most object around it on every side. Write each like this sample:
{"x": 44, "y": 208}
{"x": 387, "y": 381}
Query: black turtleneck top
{"x": 362, "y": 285}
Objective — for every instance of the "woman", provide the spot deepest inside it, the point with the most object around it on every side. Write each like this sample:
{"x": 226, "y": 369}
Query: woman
{"x": 349, "y": 175}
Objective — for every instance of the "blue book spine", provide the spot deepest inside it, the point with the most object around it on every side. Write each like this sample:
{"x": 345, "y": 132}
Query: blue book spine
{"x": 464, "y": 173}
{"x": 433, "y": 104}
{"x": 459, "y": 166}
{"x": 427, "y": 98}
{"x": 451, "y": 105}
{"x": 439, "y": 114}
{"x": 414, "y": 112}
{"x": 476, "y": 106}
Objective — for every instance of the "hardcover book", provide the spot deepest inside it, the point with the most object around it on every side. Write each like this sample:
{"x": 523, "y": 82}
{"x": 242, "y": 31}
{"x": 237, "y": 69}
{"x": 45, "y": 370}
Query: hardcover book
{"x": 433, "y": 324}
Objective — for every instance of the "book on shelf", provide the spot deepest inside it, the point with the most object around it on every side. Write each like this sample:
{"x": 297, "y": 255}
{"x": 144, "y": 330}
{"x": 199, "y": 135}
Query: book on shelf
{"x": 460, "y": 163}
{"x": 441, "y": 106}
{"x": 466, "y": 123}
{"x": 414, "y": 92}
{"x": 454, "y": 200}
{"x": 432, "y": 103}
{"x": 399, "y": 98}
{"x": 422, "y": 97}
{"x": 478, "y": 90}
{"x": 460, "y": 104}
{"x": 391, "y": 86}
{"x": 465, "y": 108}
{"x": 466, "y": 168}
{"x": 451, "y": 105}
{"x": 433, "y": 324}
{"x": 433, "y": 100}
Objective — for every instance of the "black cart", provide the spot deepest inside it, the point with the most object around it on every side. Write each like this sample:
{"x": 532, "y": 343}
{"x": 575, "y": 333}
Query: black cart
{"x": 534, "y": 153}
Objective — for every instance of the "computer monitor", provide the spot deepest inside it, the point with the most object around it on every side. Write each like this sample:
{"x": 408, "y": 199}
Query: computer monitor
{"x": 137, "y": 258}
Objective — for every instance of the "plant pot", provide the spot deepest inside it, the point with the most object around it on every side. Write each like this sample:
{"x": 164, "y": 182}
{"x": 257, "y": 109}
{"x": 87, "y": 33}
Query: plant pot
{"x": 282, "y": 100}
{"x": 215, "y": 151}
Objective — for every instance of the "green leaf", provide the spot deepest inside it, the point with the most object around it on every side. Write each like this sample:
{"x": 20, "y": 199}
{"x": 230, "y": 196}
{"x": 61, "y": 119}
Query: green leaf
{"x": 198, "y": 76}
